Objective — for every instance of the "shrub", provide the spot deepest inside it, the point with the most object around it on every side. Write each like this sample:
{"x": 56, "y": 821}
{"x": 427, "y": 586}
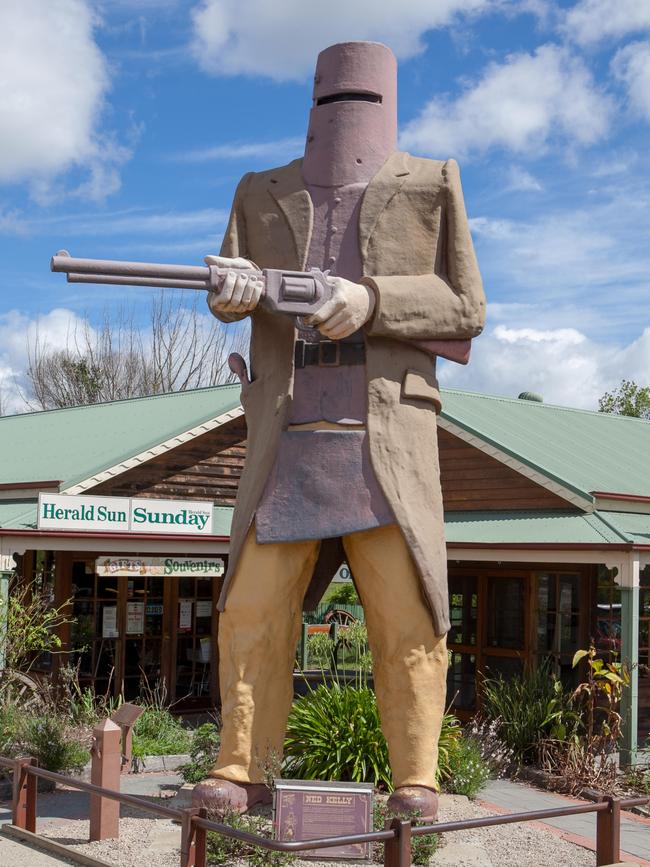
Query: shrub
{"x": 47, "y": 739}
{"x": 528, "y": 709}
{"x": 203, "y": 753}
{"x": 158, "y": 733}
{"x": 334, "y": 733}
{"x": 466, "y": 772}
{"x": 346, "y": 594}
{"x": 224, "y": 850}
{"x": 320, "y": 650}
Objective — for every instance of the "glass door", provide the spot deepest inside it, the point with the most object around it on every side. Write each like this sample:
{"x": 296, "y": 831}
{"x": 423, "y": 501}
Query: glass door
{"x": 143, "y": 635}
{"x": 194, "y": 610}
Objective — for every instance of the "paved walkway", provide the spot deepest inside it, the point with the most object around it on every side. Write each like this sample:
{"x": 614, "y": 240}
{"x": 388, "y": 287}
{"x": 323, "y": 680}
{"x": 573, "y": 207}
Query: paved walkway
{"x": 511, "y": 797}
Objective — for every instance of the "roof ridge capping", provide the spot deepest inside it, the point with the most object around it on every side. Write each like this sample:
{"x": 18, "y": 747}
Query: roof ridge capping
{"x": 144, "y": 397}
{"x": 540, "y": 404}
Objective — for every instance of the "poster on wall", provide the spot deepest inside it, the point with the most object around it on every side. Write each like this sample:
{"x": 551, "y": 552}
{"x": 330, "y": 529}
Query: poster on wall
{"x": 203, "y": 607}
{"x": 184, "y": 613}
{"x": 109, "y": 622}
{"x": 134, "y": 618}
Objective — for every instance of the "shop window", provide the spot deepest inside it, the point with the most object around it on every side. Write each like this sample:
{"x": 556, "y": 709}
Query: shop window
{"x": 463, "y": 609}
{"x": 461, "y": 681}
{"x": 559, "y": 620}
{"x": 505, "y": 613}
{"x": 606, "y": 625}
{"x": 193, "y": 637}
{"x": 504, "y": 666}
{"x": 94, "y": 629}
{"x": 143, "y": 635}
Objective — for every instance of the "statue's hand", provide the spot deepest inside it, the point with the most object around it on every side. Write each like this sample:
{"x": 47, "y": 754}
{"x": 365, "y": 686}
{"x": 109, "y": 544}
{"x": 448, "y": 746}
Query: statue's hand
{"x": 350, "y": 307}
{"x": 240, "y": 288}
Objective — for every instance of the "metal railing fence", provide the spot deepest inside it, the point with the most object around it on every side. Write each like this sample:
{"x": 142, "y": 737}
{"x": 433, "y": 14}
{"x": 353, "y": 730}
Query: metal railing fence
{"x": 396, "y": 838}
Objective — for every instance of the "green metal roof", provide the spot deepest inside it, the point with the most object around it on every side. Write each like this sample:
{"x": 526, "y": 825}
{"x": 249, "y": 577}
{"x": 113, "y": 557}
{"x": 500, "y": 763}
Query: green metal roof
{"x": 535, "y": 528}
{"x": 70, "y": 445}
{"x": 585, "y": 451}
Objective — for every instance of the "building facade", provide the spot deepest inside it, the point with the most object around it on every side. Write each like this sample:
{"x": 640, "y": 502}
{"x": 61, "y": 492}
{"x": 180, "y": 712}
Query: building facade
{"x": 547, "y": 518}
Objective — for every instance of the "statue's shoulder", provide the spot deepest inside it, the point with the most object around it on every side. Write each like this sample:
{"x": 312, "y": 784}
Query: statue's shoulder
{"x": 257, "y": 182}
{"x": 423, "y": 167}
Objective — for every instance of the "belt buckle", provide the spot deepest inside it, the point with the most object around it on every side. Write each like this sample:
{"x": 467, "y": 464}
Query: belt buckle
{"x": 329, "y": 353}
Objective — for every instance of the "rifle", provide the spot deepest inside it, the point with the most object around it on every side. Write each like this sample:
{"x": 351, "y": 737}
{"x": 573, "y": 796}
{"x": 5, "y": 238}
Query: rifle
{"x": 293, "y": 293}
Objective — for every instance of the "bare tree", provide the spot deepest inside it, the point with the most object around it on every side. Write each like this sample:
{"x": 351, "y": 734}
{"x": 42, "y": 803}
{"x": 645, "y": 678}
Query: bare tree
{"x": 181, "y": 348}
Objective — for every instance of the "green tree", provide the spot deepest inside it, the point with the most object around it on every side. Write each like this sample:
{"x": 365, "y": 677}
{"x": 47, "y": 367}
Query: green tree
{"x": 628, "y": 399}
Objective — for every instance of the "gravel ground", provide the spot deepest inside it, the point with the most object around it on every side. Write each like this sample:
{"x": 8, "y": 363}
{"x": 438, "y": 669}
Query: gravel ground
{"x": 155, "y": 842}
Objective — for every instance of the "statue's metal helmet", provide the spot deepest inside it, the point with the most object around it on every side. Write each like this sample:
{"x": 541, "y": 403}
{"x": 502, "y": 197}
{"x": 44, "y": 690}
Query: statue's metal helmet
{"x": 353, "y": 120}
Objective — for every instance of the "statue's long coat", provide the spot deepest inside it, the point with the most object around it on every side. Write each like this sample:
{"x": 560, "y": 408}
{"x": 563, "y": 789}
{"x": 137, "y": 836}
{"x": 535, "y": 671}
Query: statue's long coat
{"x": 417, "y": 253}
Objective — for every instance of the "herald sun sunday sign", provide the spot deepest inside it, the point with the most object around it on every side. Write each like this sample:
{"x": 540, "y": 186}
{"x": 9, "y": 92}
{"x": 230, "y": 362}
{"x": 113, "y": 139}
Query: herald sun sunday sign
{"x": 124, "y": 514}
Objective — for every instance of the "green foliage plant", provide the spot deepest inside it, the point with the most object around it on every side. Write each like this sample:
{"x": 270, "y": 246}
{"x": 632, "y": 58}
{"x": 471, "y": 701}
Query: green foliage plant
{"x": 344, "y": 594}
{"x": 466, "y": 771}
{"x": 334, "y": 733}
{"x": 228, "y": 851}
{"x": 528, "y": 709}
{"x": 30, "y": 623}
{"x": 47, "y": 739}
{"x": 158, "y": 733}
{"x": 320, "y": 651}
{"x": 203, "y": 753}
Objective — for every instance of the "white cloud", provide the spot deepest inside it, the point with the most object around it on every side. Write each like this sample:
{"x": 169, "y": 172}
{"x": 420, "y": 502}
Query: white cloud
{"x": 18, "y": 333}
{"x": 587, "y": 266}
{"x": 284, "y": 148}
{"x": 522, "y": 181}
{"x": 520, "y": 105}
{"x": 632, "y": 66}
{"x": 591, "y": 21}
{"x": 563, "y": 365}
{"x": 281, "y": 39}
{"x": 131, "y": 222}
{"x": 54, "y": 80}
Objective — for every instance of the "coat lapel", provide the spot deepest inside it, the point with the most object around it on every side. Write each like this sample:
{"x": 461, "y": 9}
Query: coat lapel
{"x": 381, "y": 189}
{"x": 287, "y": 188}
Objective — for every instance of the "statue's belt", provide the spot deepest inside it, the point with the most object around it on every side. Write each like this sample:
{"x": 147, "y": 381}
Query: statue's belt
{"x": 329, "y": 353}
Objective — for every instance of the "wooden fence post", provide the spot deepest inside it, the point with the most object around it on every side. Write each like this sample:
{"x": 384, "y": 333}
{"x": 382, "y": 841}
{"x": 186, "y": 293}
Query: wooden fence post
{"x": 397, "y": 852}
{"x": 105, "y": 772}
{"x": 25, "y": 787}
{"x": 193, "y": 839}
{"x": 608, "y": 833}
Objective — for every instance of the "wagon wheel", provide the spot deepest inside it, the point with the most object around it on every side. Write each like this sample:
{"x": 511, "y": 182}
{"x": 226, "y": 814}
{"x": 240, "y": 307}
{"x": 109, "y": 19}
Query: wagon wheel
{"x": 340, "y": 615}
{"x": 19, "y": 688}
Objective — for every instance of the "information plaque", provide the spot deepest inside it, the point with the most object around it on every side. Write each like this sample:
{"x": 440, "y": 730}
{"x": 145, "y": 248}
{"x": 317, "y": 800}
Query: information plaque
{"x": 310, "y": 809}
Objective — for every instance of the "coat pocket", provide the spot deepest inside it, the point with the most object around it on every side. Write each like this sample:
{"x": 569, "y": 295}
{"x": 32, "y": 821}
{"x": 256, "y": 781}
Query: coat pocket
{"x": 417, "y": 385}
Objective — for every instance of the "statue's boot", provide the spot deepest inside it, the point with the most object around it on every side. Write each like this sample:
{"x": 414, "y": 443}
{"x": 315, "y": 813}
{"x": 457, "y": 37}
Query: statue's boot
{"x": 223, "y": 796}
{"x": 418, "y": 801}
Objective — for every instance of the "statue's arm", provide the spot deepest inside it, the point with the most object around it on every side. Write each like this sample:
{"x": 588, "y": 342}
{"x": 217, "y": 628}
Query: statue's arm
{"x": 445, "y": 306}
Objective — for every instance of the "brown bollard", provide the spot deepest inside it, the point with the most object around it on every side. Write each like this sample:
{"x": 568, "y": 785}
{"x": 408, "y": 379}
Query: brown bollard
{"x": 24, "y": 796}
{"x": 608, "y": 833}
{"x": 397, "y": 852}
{"x": 105, "y": 772}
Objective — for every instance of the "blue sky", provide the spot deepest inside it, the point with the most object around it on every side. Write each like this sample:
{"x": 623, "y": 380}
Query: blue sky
{"x": 124, "y": 127}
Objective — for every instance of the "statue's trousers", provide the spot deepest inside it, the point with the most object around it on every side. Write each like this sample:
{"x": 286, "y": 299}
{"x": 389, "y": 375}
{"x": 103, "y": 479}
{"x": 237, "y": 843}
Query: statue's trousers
{"x": 258, "y": 635}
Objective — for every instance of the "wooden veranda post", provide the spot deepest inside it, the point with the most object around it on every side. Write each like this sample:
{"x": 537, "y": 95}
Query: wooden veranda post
{"x": 105, "y": 772}
{"x": 608, "y": 833}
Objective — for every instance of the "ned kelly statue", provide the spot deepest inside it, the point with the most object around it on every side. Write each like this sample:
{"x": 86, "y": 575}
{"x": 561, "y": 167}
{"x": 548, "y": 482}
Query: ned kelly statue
{"x": 356, "y": 267}
{"x": 341, "y": 407}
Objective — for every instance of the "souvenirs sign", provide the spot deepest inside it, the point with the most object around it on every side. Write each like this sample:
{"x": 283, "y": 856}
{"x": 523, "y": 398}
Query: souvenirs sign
{"x": 310, "y": 809}
{"x": 160, "y": 567}
{"x": 123, "y": 514}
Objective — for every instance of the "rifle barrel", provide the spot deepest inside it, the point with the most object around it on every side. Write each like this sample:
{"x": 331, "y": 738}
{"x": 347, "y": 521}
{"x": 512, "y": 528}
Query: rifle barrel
{"x": 119, "y": 280}
{"x": 111, "y": 267}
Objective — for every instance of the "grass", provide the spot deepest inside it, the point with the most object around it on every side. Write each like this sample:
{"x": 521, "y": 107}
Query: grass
{"x": 158, "y": 733}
